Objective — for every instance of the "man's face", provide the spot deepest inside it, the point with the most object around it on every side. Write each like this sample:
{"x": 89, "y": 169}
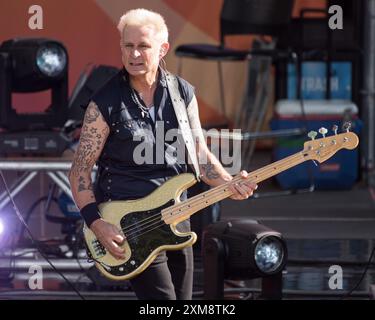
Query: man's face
{"x": 141, "y": 50}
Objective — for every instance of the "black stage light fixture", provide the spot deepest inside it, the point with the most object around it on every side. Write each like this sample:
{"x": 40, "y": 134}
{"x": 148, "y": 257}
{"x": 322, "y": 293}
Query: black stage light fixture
{"x": 243, "y": 249}
{"x": 29, "y": 65}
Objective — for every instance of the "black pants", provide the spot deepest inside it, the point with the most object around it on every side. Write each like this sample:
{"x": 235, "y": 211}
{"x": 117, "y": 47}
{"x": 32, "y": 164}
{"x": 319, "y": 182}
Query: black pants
{"x": 169, "y": 277}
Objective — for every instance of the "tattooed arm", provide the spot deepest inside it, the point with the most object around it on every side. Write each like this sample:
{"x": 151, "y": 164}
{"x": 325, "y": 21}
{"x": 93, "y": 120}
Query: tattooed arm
{"x": 93, "y": 136}
{"x": 214, "y": 174}
{"x": 94, "y": 133}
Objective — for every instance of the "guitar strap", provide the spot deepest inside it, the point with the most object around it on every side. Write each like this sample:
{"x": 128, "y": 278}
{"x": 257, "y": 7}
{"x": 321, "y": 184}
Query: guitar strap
{"x": 188, "y": 119}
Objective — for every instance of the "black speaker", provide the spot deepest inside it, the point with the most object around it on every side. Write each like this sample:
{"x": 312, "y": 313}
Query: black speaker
{"x": 88, "y": 83}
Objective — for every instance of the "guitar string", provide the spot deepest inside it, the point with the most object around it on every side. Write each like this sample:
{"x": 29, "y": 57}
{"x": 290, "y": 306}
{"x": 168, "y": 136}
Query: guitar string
{"x": 147, "y": 231}
{"x": 157, "y": 224}
{"x": 143, "y": 225}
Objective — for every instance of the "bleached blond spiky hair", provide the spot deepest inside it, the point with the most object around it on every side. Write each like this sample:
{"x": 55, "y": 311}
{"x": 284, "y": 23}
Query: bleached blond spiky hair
{"x": 143, "y": 17}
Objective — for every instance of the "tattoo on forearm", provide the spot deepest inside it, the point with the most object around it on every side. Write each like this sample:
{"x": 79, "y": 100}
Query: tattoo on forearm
{"x": 91, "y": 141}
{"x": 84, "y": 185}
{"x": 209, "y": 170}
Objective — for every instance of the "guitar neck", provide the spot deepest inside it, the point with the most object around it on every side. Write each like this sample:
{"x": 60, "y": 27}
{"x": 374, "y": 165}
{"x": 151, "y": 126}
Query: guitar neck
{"x": 185, "y": 209}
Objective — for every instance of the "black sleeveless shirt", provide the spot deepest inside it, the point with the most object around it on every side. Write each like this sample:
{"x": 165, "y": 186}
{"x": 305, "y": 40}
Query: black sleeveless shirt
{"x": 121, "y": 173}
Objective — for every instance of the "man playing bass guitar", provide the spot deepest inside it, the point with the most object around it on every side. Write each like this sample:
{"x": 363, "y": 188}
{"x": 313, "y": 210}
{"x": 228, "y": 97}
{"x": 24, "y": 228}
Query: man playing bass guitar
{"x": 125, "y": 113}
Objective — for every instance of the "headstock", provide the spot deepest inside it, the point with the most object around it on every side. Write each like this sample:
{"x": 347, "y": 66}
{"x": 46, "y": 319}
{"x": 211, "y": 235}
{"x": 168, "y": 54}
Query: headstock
{"x": 324, "y": 148}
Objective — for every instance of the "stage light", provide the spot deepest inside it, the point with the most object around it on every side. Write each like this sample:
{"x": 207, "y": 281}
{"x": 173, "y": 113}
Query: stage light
{"x": 35, "y": 64}
{"x": 51, "y": 60}
{"x": 243, "y": 249}
{"x": 30, "y": 65}
{"x": 269, "y": 254}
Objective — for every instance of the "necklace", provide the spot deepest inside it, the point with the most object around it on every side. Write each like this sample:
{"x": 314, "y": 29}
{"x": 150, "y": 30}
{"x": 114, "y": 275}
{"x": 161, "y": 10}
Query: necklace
{"x": 140, "y": 105}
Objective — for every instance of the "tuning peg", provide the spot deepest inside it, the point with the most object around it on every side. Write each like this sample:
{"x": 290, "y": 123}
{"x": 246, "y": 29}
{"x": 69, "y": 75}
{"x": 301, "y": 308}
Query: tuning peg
{"x": 323, "y": 131}
{"x": 312, "y": 135}
{"x": 334, "y": 129}
{"x": 347, "y": 126}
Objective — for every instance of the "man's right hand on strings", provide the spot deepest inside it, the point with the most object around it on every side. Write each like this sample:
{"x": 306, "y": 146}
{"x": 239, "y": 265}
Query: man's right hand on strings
{"x": 110, "y": 237}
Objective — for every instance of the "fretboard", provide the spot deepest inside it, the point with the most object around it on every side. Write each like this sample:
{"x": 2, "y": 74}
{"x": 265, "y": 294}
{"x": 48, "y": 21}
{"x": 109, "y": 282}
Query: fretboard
{"x": 185, "y": 209}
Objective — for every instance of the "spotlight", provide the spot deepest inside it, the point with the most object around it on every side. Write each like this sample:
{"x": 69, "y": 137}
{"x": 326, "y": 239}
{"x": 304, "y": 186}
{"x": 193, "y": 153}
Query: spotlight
{"x": 51, "y": 60}
{"x": 242, "y": 249}
{"x": 35, "y": 64}
{"x": 268, "y": 255}
{"x": 29, "y": 66}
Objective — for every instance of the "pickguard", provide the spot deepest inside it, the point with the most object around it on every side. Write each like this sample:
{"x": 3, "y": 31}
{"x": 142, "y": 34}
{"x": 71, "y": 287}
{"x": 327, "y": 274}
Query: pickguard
{"x": 145, "y": 231}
